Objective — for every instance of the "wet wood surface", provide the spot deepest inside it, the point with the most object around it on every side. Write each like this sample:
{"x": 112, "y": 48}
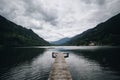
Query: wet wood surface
{"x": 59, "y": 69}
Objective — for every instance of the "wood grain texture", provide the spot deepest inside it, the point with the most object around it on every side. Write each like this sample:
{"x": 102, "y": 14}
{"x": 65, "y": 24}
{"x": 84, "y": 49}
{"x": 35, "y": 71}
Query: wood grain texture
{"x": 59, "y": 69}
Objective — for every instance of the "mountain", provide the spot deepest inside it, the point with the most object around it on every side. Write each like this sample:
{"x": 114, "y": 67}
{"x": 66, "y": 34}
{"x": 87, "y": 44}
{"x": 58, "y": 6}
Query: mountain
{"x": 12, "y": 34}
{"x": 106, "y": 33}
{"x": 61, "y": 41}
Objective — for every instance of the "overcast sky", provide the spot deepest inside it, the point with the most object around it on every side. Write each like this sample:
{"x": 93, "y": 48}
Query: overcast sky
{"x": 56, "y": 19}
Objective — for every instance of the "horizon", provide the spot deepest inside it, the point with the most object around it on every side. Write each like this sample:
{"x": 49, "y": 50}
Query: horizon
{"x": 58, "y": 18}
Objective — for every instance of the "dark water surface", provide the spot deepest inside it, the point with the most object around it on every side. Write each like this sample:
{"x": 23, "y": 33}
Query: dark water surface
{"x": 84, "y": 63}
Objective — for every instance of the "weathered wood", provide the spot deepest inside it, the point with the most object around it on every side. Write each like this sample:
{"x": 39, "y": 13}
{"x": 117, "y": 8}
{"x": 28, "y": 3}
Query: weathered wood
{"x": 59, "y": 69}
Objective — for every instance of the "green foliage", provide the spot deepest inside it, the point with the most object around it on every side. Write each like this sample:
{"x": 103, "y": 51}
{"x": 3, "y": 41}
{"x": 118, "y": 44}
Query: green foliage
{"x": 107, "y": 33}
{"x": 15, "y": 35}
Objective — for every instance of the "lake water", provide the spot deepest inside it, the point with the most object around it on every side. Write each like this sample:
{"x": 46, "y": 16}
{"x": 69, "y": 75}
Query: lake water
{"x": 84, "y": 62}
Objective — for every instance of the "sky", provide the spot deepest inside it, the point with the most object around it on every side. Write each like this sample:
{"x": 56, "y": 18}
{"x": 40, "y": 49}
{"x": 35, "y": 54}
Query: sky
{"x": 56, "y": 19}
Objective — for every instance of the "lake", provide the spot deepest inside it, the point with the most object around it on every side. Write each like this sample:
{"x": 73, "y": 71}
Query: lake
{"x": 84, "y": 62}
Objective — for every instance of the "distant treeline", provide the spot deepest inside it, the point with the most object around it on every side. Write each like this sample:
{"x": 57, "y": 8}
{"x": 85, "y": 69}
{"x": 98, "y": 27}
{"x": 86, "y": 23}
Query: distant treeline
{"x": 12, "y": 34}
{"x": 106, "y": 33}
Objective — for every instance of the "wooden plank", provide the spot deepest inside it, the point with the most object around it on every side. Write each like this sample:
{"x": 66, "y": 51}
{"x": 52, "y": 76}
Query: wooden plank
{"x": 59, "y": 69}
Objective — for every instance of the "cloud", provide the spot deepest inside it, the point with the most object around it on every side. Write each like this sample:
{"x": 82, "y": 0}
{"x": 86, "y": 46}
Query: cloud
{"x": 98, "y": 2}
{"x": 37, "y": 11}
{"x": 55, "y": 19}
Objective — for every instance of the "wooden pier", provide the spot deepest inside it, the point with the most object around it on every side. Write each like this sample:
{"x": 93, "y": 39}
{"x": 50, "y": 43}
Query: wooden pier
{"x": 59, "y": 69}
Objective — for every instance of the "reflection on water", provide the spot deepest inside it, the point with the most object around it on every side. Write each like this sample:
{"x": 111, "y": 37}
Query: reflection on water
{"x": 85, "y": 63}
{"x": 85, "y": 69}
{"x": 26, "y": 67}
